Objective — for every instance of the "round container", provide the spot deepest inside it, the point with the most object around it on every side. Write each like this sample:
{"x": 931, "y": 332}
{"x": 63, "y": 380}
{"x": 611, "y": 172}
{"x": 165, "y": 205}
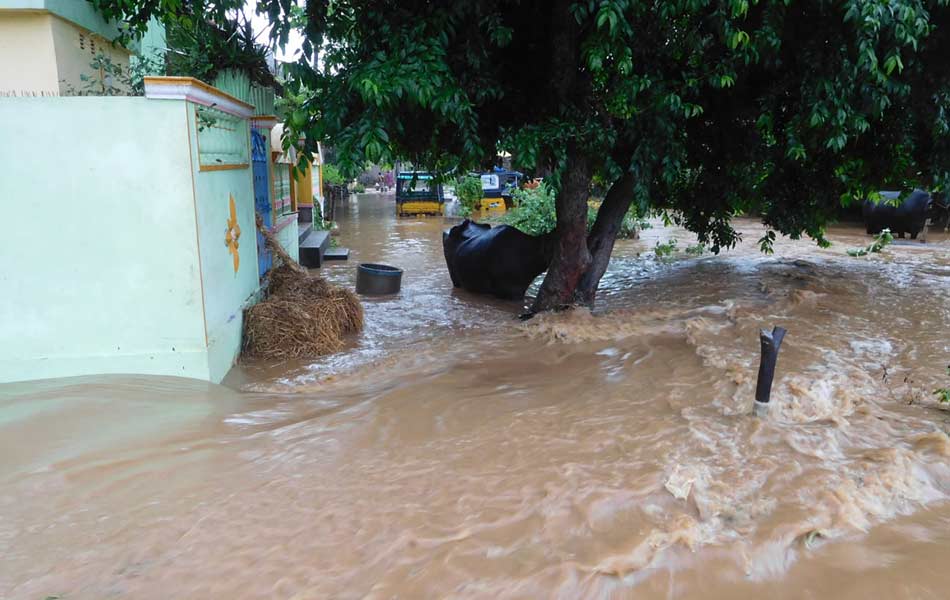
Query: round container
{"x": 377, "y": 280}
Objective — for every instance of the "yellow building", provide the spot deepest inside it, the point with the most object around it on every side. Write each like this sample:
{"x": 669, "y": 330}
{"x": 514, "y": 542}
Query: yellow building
{"x": 309, "y": 185}
{"x": 46, "y": 45}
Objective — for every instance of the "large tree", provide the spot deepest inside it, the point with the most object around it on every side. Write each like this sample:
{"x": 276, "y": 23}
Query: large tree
{"x": 701, "y": 108}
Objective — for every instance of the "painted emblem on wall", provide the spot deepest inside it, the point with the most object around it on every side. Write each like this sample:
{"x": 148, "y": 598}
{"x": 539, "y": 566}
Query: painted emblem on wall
{"x": 232, "y": 234}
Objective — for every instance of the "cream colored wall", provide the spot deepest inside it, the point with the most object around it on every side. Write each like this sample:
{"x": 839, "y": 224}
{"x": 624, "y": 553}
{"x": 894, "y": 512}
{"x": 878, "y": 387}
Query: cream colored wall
{"x": 44, "y": 54}
{"x": 27, "y": 57}
{"x": 76, "y": 48}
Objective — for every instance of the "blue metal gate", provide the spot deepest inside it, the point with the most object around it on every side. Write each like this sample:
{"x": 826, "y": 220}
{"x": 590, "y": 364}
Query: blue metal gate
{"x": 262, "y": 202}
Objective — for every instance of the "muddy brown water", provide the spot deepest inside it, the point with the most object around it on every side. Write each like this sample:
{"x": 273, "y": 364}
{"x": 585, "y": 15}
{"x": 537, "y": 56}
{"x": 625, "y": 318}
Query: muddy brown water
{"x": 453, "y": 452}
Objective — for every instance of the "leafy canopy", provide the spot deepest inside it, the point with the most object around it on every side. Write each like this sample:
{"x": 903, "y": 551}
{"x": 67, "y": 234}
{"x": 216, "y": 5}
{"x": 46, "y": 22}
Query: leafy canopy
{"x": 204, "y": 37}
{"x": 784, "y": 108}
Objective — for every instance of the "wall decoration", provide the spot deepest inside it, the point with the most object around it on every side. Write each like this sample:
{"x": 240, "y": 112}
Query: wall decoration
{"x": 232, "y": 234}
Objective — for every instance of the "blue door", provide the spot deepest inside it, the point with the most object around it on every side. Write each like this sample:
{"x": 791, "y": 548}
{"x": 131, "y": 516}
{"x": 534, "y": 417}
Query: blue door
{"x": 262, "y": 202}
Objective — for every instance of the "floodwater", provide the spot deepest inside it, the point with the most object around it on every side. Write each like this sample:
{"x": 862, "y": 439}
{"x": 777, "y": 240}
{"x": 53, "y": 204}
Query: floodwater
{"x": 455, "y": 452}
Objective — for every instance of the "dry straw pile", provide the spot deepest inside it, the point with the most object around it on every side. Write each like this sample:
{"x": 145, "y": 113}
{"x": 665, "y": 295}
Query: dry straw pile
{"x": 302, "y": 316}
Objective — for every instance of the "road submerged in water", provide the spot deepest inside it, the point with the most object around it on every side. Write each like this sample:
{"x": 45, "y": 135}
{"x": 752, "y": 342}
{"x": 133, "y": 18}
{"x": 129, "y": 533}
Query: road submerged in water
{"x": 453, "y": 451}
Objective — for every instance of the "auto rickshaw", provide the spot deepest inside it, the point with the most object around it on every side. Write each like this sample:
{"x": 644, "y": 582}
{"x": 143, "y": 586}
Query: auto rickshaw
{"x": 417, "y": 193}
{"x": 497, "y": 189}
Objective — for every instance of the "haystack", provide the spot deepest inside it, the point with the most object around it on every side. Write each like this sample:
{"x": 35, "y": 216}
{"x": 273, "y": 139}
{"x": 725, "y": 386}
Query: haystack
{"x": 287, "y": 282}
{"x": 302, "y": 316}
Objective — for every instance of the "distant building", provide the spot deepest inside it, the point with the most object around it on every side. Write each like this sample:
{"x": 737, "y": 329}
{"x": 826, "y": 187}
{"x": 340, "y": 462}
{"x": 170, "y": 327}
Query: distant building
{"x": 47, "y": 45}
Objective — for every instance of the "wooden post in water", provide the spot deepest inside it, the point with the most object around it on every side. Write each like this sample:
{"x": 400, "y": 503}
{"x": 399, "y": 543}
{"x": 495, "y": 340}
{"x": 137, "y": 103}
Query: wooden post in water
{"x": 771, "y": 342}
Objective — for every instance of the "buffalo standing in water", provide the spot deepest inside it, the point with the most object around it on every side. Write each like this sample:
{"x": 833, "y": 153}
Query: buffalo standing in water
{"x": 501, "y": 261}
{"x": 908, "y": 217}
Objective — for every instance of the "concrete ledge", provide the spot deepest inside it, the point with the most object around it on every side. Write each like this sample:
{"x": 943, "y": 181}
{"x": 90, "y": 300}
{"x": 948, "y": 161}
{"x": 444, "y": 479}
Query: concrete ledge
{"x": 199, "y": 92}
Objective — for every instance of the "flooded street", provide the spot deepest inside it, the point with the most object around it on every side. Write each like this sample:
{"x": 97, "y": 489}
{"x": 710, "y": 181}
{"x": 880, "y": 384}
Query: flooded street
{"x": 455, "y": 452}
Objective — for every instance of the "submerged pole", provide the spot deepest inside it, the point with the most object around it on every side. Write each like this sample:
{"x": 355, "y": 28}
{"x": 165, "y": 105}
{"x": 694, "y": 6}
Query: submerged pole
{"x": 771, "y": 342}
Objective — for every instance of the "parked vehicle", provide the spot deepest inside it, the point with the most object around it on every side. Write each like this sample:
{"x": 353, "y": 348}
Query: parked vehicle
{"x": 417, "y": 193}
{"x": 497, "y": 188}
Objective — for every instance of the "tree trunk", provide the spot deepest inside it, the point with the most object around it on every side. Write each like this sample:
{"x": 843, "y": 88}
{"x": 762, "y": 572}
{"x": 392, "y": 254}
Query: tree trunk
{"x": 570, "y": 88}
{"x": 600, "y": 242}
{"x": 571, "y": 257}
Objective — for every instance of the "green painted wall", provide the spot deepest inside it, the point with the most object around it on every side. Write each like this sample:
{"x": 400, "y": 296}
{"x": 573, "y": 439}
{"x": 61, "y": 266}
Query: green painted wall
{"x": 226, "y": 292}
{"x": 153, "y": 44}
{"x": 288, "y": 239}
{"x": 99, "y": 256}
{"x": 133, "y": 275}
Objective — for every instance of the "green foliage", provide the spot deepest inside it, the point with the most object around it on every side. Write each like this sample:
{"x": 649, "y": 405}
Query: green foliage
{"x": 880, "y": 242}
{"x": 109, "y": 78}
{"x": 713, "y": 107}
{"x": 695, "y": 250}
{"x": 665, "y": 250}
{"x": 823, "y": 101}
{"x": 204, "y": 37}
{"x": 943, "y": 394}
{"x": 631, "y": 225}
{"x": 767, "y": 242}
{"x": 469, "y": 192}
{"x": 533, "y": 211}
{"x": 332, "y": 175}
{"x": 141, "y": 67}
{"x": 358, "y": 188}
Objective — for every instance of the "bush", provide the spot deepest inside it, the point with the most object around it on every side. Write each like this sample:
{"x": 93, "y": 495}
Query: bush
{"x": 358, "y": 188}
{"x": 666, "y": 249}
{"x": 332, "y": 175}
{"x": 534, "y": 213}
{"x": 632, "y": 223}
{"x": 469, "y": 192}
{"x": 943, "y": 394}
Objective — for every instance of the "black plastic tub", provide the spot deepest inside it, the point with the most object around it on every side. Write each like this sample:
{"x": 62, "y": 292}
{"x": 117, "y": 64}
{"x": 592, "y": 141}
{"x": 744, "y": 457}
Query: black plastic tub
{"x": 377, "y": 280}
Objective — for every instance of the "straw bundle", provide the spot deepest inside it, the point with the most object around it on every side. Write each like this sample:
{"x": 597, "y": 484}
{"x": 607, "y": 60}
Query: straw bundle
{"x": 303, "y": 316}
{"x": 289, "y": 283}
{"x": 284, "y": 329}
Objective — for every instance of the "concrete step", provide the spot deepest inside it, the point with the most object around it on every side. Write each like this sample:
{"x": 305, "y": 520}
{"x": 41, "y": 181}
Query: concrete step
{"x": 305, "y": 228}
{"x": 336, "y": 254}
{"x": 313, "y": 248}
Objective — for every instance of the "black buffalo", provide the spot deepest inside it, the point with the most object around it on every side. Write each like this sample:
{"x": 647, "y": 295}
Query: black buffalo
{"x": 940, "y": 212}
{"x": 501, "y": 261}
{"x": 910, "y": 216}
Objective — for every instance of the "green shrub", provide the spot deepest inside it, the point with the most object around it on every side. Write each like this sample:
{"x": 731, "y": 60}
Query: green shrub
{"x": 632, "y": 223}
{"x": 533, "y": 211}
{"x": 357, "y": 188}
{"x": 664, "y": 250}
{"x": 469, "y": 192}
{"x": 943, "y": 394}
{"x": 332, "y": 175}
